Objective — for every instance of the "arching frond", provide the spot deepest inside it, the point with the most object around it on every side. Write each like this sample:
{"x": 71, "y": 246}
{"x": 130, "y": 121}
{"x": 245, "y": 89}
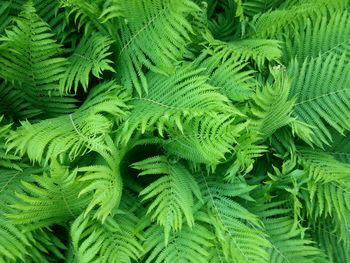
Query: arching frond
{"x": 328, "y": 240}
{"x": 171, "y": 196}
{"x": 258, "y": 50}
{"x": 115, "y": 241}
{"x": 269, "y": 23}
{"x": 288, "y": 240}
{"x": 245, "y": 152}
{"x": 187, "y": 245}
{"x": 204, "y": 141}
{"x": 32, "y": 61}
{"x": 74, "y": 134}
{"x": 321, "y": 89}
{"x": 90, "y": 56}
{"x": 185, "y": 94}
{"x": 318, "y": 35}
{"x": 49, "y": 199}
{"x": 237, "y": 230}
{"x": 327, "y": 192}
{"x": 153, "y": 34}
{"x": 104, "y": 181}
{"x": 228, "y": 74}
{"x": 271, "y": 107}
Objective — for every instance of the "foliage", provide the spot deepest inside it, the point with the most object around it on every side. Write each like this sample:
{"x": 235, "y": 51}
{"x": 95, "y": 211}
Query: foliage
{"x": 174, "y": 131}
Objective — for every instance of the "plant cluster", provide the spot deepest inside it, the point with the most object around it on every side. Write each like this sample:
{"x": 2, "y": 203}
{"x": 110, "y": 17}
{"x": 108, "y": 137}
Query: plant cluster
{"x": 175, "y": 131}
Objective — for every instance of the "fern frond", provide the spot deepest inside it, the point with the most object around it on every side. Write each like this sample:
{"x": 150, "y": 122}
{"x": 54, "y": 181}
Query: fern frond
{"x": 204, "y": 140}
{"x": 185, "y": 94}
{"x": 187, "y": 245}
{"x": 5, "y": 18}
{"x": 74, "y": 134}
{"x": 153, "y": 34}
{"x": 104, "y": 181}
{"x": 270, "y": 23}
{"x": 228, "y": 74}
{"x": 318, "y": 35}
{"x": 288, "y": 240}
{"x": 336, "y": 250}
{"x": 271, "y": 107}
{"x": 236, "y": 229}
{"x": 13, "y": 242}
{"x": 90, "y": 56}
{"x": 115, "y": 241}
{"x": 340, "y": 147}
{"x": 245, "y": 152}
{"x": 171, "y": 196}
{"x": 49, "y": 199}
{"x": 321, "y": 90}
{"x": 258, "y": 50}
{"x": 31, "y": 61}
{"x": 327, "y": 192}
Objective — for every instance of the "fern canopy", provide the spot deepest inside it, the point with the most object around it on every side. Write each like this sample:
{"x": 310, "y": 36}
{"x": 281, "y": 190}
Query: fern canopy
{"x": 174, "y": 131}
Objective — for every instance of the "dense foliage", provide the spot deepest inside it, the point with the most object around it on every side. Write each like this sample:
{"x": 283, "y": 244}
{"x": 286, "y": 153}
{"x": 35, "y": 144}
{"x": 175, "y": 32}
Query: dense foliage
{"x": 175, "y": 131}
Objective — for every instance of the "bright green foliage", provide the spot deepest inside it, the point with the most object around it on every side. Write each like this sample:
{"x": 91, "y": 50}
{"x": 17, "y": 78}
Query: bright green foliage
{"x": 175, "y": 131}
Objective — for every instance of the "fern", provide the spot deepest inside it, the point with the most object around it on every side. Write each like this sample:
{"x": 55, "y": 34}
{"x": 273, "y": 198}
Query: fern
{"x": 117, "y": 241}
{"x": 174, "y": 131}
{"x": 314, "y": 88}
{"x": 173, "y": 193}
{"x": 152, "y": 25}
{"x": 83, "y": 130}
{"x": 48, "y": 199}
{"x": 89, "y": 56}
{"x": 32, "y": 62}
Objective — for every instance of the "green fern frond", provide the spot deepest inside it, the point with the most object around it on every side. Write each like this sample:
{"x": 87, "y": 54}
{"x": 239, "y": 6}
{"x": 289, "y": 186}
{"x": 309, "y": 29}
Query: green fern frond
{"x": 318, "y": 35}
{"x": 49, "y": 199}
{"x": 153, "y": 34}
{"x": 5, "y": 18}
{"x": 336, "y": 250}
{"x": 327, "y": 194}
{"x": 32, "y": 63}
{"x": 245, "y": 152}
{"x": 187, "y": 245}
{"x": 170, "y": 100}
{"x": 69, "y": 136}
{"x": 259, "y": 50}
{"x": 85, "y": 14}
{"x": 114, "y": 241}
{"x": 236, "y": 229}
{"x": 104, "y": 181}
{"x": 340, "y": 147}
{"x": 321, "y": 90}
{"x": 271, "y": 108}
{"x": 204, "y": 140}
{"x": 171, "y": 196}
{"x": 228, "y": 74}
{"x": 288, "y": 240}
{"x": 270, "y": 23}
{"x": 90, "y": 56}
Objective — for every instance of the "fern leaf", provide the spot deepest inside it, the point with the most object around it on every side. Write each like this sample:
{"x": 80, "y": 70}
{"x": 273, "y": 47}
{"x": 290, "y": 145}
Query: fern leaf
{"x": 171, "y": 195}
{"x": 322, "y": 98}
{"x": 204, "y": 141}
{"x": 152, "y": 35}
{"x": 170, "y": 100}
{"x": 271, "y": 107}
{"x": 49, "y": 199}
{"x": 113, "y": 241}
{"x": 74, "y": 134}
{"x": 236, "y": 229}
{"x": 31, "y": 61}
{"x": 105, "y": 182}
{"x": 187, "y": 245}
{"x": 90, "y": 56}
